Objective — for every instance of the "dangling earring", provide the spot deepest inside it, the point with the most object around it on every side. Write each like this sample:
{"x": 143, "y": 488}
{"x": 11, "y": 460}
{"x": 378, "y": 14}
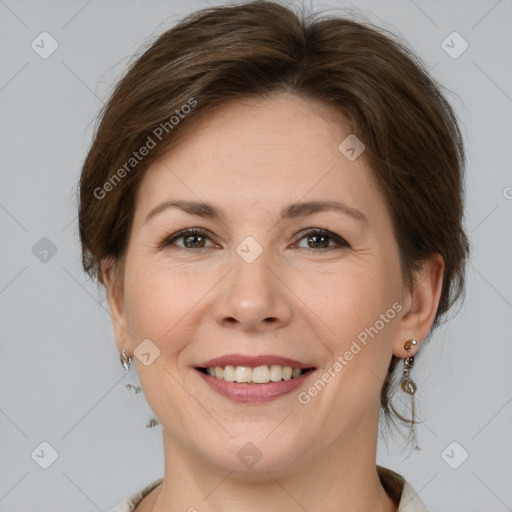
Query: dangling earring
{"x": 125, "y": 361}
{"x": 407, "y": 384}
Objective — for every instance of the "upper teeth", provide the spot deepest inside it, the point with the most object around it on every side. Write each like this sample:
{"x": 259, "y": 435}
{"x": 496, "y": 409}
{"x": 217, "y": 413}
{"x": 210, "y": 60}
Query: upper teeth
{"x": 259, "y": 374}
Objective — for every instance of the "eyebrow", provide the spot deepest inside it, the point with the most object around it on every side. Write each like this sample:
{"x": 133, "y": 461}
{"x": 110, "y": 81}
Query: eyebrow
{"x": 292, "y": 211}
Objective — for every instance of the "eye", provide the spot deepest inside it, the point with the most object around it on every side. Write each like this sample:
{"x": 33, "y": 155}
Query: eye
{"x": 320, "y": 238}
{"x": 194, "y": 238}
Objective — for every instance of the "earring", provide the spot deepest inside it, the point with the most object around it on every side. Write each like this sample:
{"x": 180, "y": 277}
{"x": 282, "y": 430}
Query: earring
{"x": 125, "y": 361}
{"x": 407, "y": 384}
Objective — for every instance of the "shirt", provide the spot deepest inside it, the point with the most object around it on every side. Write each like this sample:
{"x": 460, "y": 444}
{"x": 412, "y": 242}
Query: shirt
{"x": 394, "y": 484}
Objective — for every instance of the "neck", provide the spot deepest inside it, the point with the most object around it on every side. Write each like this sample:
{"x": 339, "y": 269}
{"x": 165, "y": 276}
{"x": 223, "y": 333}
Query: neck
{"x": 341, "y": 478}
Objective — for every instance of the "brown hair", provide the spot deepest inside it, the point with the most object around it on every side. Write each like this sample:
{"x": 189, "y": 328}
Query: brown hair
{"x": 413, "y": 143}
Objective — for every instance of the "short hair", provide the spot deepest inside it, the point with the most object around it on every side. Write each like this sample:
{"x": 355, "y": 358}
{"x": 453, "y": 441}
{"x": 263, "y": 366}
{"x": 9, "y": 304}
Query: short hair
{"x": 413, "y": 144}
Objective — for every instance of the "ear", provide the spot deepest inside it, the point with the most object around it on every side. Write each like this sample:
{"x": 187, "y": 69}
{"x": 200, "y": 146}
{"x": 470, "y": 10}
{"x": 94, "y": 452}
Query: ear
{"x": 420, "y": 305}
{"x": 115, "y": 298}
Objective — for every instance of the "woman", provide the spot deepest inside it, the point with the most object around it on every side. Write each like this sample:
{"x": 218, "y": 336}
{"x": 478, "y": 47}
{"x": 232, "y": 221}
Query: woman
{"x": 274, "y": 206}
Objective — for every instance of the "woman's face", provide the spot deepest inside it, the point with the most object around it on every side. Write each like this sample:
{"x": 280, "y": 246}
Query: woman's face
{"x": 254, "y": 284}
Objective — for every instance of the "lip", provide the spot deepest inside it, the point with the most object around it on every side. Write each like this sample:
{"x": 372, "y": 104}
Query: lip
{"x": 253, "y": 361}
{"x": 253, "y": 393}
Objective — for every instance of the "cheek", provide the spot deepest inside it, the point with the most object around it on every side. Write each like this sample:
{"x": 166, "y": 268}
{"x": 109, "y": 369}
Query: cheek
{"x": 155, "y": 301}
{"x": 347, "y": 302}
{"x": 358, "y": 309}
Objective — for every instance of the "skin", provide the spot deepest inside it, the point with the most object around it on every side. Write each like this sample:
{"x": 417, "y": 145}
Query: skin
{"x": 252, "y": 158}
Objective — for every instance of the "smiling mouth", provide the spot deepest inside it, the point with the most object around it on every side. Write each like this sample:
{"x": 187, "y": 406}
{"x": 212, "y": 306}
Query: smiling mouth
{"x": 263, "y": 374}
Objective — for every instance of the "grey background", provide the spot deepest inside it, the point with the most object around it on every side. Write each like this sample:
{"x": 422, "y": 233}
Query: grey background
{"x": 60, "y": 377}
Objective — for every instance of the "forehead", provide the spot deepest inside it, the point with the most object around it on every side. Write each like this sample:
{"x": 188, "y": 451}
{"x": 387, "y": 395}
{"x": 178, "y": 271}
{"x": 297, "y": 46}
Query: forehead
{"x": 262, "y": 153}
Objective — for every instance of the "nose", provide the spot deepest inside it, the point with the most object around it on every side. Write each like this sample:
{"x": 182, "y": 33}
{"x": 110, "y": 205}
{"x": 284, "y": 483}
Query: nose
{"x": 254, "y": 297}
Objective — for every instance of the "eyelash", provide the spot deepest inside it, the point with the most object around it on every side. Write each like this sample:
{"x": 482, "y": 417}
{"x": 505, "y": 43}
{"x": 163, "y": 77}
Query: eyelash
{"x": 304, "y": 234}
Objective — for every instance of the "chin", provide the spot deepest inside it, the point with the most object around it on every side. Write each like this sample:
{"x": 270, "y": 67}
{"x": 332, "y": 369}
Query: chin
{"x": 253, "y": 457}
